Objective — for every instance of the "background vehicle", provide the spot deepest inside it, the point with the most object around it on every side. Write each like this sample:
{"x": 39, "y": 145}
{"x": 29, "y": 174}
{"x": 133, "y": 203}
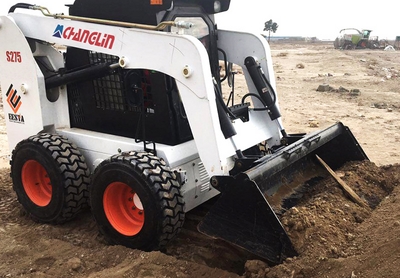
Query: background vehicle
{"x": 351, "y": 38}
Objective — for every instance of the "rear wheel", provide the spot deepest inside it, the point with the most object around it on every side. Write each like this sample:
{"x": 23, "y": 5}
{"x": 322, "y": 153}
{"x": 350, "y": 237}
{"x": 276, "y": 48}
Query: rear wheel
{"x": 336, "y": 43}
{"x": 50, "y": 177}
{"x": 136, "y": 201}
{"x": 349, "y": 46}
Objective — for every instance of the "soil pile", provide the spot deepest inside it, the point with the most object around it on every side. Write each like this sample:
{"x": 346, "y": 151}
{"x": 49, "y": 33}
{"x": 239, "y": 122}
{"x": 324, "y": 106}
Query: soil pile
{"x": 325, "y": 226}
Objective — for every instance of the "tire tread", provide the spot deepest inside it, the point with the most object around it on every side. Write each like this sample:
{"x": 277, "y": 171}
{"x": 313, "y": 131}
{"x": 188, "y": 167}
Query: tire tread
{"x": 72, "y": 167}
{"x": 164, "y": 186}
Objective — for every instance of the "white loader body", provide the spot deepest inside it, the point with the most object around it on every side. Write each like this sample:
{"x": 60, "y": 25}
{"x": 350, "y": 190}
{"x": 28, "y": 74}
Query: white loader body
{"x": 182, "y": 57}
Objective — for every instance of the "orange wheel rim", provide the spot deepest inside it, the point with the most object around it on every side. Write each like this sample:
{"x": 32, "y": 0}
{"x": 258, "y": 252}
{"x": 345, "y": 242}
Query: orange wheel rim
{"x": 36, "y": 183}
{"x": 123, "y": 208}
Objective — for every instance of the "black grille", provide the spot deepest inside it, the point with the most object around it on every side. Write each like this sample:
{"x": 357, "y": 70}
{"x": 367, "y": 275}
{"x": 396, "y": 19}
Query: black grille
{"x": 108, "y": 93}
{"x": 108, "y": 90}
{"x": 122, "y": 91}
{"x": 114, "y": 104}
{"x": 76, "y": 110}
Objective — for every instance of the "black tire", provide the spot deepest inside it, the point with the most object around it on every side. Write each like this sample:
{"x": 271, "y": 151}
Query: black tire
{"x": 349, "y": 46}
{"x": 136, "y": 201}
{"x": 50, "y": 177}
{"x": 336, "y": 43}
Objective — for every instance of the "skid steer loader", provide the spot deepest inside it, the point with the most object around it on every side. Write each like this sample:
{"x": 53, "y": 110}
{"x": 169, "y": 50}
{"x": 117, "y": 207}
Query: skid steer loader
{"x": 119, "y": 106}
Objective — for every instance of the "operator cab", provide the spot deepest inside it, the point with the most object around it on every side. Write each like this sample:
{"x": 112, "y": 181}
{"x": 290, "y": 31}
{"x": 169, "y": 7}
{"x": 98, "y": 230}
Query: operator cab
{"x": 138, "y": 103}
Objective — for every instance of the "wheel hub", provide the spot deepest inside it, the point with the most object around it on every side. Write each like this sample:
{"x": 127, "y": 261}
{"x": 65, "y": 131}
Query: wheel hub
{"x": 36, "y": 183}
{"x": 123, "y": 209}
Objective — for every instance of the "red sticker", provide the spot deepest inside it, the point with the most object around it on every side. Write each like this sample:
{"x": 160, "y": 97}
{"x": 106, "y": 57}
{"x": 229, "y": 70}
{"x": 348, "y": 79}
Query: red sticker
{"x": 14, "y": 56}
{"x": 156, "y": 2}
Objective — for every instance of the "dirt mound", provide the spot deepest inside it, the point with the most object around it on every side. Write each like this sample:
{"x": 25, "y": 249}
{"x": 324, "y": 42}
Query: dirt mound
{"x": 326, "y": 224}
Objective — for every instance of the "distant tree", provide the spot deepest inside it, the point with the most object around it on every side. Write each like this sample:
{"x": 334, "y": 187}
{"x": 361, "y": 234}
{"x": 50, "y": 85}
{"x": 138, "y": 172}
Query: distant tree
{"x": 270, "y": 26}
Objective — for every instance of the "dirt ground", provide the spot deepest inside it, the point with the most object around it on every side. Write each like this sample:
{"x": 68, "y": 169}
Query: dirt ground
{"x": 334, "y": 236}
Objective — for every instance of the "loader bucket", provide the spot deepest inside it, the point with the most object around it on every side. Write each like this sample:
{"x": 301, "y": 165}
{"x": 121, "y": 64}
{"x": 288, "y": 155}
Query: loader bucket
{"x": 246, "y": 211}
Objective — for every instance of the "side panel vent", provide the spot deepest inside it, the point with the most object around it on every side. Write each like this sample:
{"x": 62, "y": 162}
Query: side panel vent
{"x": 203, "y": 173}
{"x": 204, "y": 178}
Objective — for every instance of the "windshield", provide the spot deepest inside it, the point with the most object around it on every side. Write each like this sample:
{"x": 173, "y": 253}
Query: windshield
{"x": 199, "y": 29}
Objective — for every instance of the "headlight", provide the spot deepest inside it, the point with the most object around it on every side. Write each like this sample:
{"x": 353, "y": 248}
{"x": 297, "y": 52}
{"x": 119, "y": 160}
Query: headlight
{"x": 217, "y": 6}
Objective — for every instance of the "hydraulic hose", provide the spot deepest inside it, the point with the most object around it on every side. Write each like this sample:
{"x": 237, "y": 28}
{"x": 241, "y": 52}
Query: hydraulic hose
{"x": 259, "y": 98}
{"x": 227, "y": 127}
{"x": 21, "y": 6}
{"x": 225, "y": 64}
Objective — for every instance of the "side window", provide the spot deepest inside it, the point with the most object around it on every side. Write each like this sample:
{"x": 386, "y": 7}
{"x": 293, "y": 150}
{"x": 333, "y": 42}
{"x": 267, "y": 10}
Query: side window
{"x": 199, "y": 30}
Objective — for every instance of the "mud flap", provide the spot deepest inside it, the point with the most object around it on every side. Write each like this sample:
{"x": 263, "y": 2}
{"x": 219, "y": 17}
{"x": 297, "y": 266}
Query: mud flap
{"x": 245, "y": 213}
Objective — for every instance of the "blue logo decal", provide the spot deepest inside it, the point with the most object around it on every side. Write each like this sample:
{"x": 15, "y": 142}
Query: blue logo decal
{"x": 59, "y": 31}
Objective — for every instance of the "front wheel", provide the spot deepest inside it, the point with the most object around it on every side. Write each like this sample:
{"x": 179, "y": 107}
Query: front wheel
{"x": 50, "y": 177}
{"x": 136, "y": 201}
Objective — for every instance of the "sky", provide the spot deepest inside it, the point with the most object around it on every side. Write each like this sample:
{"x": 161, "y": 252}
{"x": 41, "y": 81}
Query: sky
{"x": 307, "y": 18}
